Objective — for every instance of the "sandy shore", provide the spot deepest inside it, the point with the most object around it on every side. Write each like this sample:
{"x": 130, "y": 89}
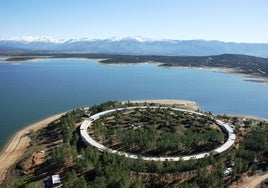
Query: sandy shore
{"x": 191, "y": 105}
{"x": 18, "y": 143}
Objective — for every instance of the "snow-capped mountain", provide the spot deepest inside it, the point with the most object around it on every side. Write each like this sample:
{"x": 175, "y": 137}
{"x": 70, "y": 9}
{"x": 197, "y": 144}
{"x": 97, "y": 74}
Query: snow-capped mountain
{"x": 132, "y": 45}
{"x": 29, "y": 39}
{"x": 134, "y": 38}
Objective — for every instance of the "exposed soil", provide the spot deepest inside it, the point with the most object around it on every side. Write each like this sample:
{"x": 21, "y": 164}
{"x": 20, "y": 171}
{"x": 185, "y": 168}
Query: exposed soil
{"x": 189, "y": 105}
{"x": 18, "y": 144}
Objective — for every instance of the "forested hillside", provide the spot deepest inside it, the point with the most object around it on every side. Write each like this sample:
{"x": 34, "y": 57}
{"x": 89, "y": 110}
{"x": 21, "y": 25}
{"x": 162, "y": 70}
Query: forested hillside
{"x": 242, "y": 63}
{"x": 250, "y": 65}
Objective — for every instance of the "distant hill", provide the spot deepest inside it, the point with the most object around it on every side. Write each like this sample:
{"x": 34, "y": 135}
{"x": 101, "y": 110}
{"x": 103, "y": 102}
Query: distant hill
{"x": 249, "y": 65}
{"x": 134, "y": 46}
{"x": 245, "y": 64}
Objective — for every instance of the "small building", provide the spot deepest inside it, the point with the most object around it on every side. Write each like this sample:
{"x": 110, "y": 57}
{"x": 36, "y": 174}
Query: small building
{"x": 87, "y": 115}
{"x": 55, "y": 180}
{"x": 228, "y": 172}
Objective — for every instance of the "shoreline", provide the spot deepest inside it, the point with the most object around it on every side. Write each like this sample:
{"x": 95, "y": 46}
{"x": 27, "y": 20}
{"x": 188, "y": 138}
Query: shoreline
{"x": 184, "y": 103}
{"x": 34, "y": 59}
{"x": 18, "y": 143}
{"x": 32, "y": 127}
{"x": 247, "y": 77}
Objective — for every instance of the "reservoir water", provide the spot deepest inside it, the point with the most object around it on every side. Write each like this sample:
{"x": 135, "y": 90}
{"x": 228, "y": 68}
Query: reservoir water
{"x": 35, "y": 90}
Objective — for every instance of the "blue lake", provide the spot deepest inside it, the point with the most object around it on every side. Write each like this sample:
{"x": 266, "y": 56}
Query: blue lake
{"x": 35, "y": 90}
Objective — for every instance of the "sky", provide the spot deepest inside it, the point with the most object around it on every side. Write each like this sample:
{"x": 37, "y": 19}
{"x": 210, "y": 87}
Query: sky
{"x": 225, "y": 20}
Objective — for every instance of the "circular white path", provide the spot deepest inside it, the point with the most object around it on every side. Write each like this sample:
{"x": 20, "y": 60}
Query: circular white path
{"x": 226, "y": 128}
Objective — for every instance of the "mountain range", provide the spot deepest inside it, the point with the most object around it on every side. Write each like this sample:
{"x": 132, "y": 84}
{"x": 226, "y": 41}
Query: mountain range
{"x": 133, "y": 46}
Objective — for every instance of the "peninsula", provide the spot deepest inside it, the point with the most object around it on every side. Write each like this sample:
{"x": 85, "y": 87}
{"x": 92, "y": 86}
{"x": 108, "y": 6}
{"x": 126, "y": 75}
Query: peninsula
{"x": 255, "y": 68}
{"x": 54, "y": 147}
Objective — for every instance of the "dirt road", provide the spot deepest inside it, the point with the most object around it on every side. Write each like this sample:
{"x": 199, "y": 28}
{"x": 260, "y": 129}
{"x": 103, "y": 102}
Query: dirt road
{"x": 257, "y": 181}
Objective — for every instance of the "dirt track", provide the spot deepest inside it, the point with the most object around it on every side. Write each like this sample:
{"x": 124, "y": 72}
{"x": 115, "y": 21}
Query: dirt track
{"x": 17, "y": 145}
{"x": 257, "y": 181}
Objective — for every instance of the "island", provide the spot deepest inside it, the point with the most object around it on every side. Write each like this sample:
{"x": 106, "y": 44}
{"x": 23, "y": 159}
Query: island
{"x": 54, "y": 152}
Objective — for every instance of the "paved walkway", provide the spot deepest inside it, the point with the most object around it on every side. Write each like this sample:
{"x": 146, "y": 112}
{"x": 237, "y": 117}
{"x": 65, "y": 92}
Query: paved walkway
{"x": 90, "y": 141}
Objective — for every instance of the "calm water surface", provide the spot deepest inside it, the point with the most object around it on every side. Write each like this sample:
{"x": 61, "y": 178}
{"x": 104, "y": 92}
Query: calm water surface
{"x": 35, "y": 90}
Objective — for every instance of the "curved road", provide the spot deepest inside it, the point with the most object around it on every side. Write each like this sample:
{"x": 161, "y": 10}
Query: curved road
{"x": 90, "y": 141}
